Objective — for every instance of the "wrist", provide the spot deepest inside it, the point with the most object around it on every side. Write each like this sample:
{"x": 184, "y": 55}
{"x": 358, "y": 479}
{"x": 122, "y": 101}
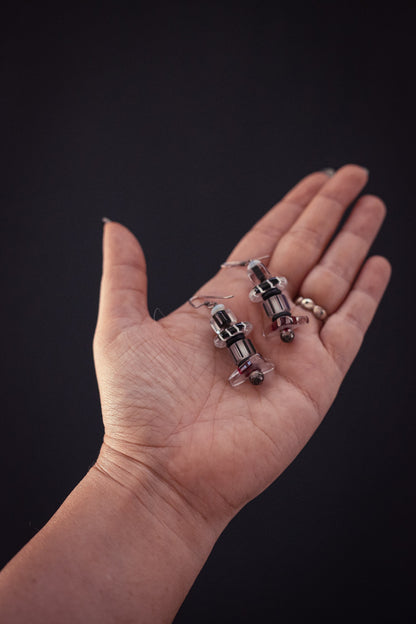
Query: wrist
{"x": 146, "y": 491}
{"x": 114, "y": 551}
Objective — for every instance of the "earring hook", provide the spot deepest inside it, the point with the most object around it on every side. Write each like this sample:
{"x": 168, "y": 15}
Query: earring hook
{"x": 208, "y": 304}
{"x": 238, "y": 263}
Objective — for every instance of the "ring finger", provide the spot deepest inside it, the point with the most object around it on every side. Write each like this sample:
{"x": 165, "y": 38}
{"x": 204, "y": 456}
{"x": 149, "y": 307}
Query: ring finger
{"x": 330, "y": 281}
{"x": 303, "y": 244}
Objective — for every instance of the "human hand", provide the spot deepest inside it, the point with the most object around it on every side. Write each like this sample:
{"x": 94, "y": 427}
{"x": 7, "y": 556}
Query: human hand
{"x": 172, "y": 421}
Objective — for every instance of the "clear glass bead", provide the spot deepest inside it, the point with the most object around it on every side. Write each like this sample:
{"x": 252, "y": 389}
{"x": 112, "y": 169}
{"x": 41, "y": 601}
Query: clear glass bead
{"x": 257, "y": 272}
{"x": 255, "y": 363}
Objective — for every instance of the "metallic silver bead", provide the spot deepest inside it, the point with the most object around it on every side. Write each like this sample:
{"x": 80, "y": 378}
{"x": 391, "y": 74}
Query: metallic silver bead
{"x": 319, "y": 312}
{"x": 307, "y": 303}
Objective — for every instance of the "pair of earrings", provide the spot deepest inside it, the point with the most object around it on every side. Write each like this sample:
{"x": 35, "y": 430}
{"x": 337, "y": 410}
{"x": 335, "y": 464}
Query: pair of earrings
{"x": 232, "y": 333}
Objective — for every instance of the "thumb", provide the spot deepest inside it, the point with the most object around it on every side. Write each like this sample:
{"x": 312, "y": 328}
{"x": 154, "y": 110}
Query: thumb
{"x": 123, "y": 293}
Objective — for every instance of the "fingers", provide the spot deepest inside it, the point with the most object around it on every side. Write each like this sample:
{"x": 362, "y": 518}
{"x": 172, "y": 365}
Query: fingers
{"x": 330, "y": 280}
{"x": 303, "y": 244}
{"x": 344, "y": 330}
{"x": 265, "y": 234}
{"x": 123, "y": 292}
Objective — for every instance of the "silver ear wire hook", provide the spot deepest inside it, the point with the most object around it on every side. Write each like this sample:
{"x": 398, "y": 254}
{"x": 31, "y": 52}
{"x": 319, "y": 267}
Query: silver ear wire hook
{"x": 232, "y": 333}
{"x": 241, "y": 263}
{"x": 208, "y": 304}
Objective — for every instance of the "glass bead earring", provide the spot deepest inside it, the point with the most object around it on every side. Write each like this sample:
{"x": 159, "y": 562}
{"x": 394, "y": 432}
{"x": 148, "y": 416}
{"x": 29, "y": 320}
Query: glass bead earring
{"x": 232, "y": 334}
{"x": 268, "y": 290}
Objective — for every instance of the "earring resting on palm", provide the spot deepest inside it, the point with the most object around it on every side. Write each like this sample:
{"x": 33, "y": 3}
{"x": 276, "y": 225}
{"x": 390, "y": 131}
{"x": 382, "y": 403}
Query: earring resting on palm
{"x": 232, "y": 333}
{"x": 268, "y": 289}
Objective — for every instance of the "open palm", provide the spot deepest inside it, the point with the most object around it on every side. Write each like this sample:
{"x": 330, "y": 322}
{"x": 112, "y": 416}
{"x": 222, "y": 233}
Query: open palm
{"x": 169, "y": 411}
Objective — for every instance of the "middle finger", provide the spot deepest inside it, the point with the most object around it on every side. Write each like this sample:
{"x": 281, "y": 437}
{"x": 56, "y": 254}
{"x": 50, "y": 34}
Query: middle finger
{"x": 303, "y": 245}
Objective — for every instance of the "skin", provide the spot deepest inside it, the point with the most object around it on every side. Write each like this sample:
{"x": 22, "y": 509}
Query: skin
{"x": 183, "y": 452}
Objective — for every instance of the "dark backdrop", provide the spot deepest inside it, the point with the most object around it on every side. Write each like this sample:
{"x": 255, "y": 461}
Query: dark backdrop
{"x": 186, "y": 122}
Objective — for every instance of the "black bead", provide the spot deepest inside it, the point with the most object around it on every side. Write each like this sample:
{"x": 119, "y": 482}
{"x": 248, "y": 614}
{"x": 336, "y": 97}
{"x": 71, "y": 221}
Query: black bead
{"x": 256, "y": 377}
{"x": 287, "y": 336}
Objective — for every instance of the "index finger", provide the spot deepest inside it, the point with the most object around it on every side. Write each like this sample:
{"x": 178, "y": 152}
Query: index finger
{"x": 265, "y": 234}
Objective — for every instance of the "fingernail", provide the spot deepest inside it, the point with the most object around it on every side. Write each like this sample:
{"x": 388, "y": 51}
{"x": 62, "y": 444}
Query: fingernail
{"x": 365, "y": 169}
{"x": 329, "y": 171}
{"x": 106, "y": 220}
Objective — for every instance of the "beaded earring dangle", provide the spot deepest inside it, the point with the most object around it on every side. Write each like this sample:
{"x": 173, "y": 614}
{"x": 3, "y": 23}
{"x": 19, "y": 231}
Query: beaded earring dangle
{"x": 232, "y": 333}
{"x": 268, "y": 289}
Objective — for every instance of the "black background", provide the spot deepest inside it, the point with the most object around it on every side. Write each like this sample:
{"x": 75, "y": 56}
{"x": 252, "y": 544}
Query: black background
{"x": 186, "y": 122}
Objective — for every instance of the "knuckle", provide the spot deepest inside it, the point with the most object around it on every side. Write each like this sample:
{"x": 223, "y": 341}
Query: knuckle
{"x": 305, "y": 236}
